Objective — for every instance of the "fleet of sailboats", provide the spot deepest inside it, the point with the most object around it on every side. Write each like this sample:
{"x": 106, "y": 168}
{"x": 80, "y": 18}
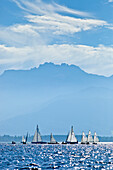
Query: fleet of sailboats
{"x": 71, "y": 138}
{"x": 89, "y": 139}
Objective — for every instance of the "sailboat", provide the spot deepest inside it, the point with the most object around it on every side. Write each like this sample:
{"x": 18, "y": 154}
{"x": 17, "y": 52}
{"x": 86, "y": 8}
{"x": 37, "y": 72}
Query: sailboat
{"x": 90, "y": 139}
{"x": 52, "y": 140}
{"x": 84, "y": 138}
{"x": 71, "y": 139}
{"x": 24, "y": 139}
{"x": 37, "y": 139}
{"x": 96, "y": 139}
{"x": 13, "y": 142}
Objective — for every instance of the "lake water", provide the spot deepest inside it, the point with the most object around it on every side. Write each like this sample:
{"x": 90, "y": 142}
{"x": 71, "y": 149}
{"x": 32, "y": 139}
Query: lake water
{"x": 56, "y": 156}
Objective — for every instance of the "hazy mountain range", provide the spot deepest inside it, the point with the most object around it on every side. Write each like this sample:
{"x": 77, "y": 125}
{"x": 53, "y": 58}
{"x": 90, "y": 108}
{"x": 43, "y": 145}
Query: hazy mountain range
{"x": 55, "y": 97}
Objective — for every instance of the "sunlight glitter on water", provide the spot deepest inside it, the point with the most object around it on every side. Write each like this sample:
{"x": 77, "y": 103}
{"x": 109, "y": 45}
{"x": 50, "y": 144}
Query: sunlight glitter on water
{"x": 56, "y": 156}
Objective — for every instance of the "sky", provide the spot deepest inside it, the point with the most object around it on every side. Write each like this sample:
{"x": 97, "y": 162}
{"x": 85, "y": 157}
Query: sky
{"x": 79, "y": 32}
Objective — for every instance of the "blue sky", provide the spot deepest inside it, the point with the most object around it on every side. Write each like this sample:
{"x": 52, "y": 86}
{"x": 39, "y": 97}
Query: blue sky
{"x": 60, "y": 31}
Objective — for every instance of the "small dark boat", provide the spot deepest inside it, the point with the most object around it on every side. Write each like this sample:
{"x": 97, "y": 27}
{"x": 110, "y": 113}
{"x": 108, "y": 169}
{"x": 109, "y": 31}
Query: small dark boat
{"x": 94, "y": 143}
{"x": 13, "y": 142}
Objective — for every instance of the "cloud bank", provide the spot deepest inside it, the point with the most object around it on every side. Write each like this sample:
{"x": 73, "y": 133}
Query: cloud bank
{"x": 28, "y": 45}
{"x": 98, "y": 60}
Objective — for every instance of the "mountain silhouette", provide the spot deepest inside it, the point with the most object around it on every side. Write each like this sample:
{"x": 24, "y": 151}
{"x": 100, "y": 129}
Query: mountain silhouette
{"x": 55, "y": 97}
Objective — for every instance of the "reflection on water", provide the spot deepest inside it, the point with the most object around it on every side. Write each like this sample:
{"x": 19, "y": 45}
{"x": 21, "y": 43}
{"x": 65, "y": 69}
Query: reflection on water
{"x": 56, "y": 156}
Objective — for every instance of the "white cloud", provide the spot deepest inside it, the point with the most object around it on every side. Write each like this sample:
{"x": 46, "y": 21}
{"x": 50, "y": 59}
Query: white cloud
{"x": 46, "y": 16}
{"x": 71, "y": 11}
{"x": 21, "y": 35}
{"x": 65, "y": 24}
{"x": 45, "y": 25}
{"x": 110, "y": 27}
{"x": 40, "y": 8}
{"x": 110, "y": 0}
{"x": 98, "y": 60}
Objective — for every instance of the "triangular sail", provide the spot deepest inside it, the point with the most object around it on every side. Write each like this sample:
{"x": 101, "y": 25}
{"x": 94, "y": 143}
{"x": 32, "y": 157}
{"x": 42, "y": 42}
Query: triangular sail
{"x": 71, "y": 136}
{"x": 84, "y": 138}
{"x": 23, "y": 139}
{"x": 37, "y": 136}
{"x": 96, "y": 139}
{"x": 52, "y": 139}
{"x": 68, "y": 137}
{"x": 90, "y": 139}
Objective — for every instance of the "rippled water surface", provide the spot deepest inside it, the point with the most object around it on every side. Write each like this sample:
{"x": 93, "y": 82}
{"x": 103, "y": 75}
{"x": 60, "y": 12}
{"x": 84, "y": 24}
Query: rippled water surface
{"x": 56, "y": 156}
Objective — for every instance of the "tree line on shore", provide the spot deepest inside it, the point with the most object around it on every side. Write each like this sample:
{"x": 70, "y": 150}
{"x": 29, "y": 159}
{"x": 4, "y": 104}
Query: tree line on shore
{"x": 8, "y": 138}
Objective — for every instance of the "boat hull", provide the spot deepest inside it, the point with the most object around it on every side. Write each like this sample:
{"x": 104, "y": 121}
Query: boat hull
{"x": 64, "y": 143}
{"x": 70, "y": 143}
{"x": 23, "y": 143}
{"x": 53, "y": 143}
{"x": 83, "y": 143}
{"x": 94, "y": 143}
{"x": 39, "y": 142}
{"x": 87, "y": 143}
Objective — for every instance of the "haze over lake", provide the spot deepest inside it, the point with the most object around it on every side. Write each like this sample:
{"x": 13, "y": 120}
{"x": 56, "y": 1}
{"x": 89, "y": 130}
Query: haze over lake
{"x": 55, "y": 97}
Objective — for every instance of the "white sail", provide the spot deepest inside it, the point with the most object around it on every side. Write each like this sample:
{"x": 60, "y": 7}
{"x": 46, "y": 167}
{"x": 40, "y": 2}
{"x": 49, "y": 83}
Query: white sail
{"x": 95, "y": 138}
{"x": 52, "y": 139}
{"x": 23, "y": 139}
{"x": 84, "y": 138}
{"x": 37, "y": 136}
{"x": 90, "y": 139}
{"x": 71, "y": 136}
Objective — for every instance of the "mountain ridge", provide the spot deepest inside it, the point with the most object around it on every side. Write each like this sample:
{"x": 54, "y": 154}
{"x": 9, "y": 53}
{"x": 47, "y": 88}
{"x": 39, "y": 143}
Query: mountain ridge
{"x": 49, "y": 65}
{"x": 62, "y": 94}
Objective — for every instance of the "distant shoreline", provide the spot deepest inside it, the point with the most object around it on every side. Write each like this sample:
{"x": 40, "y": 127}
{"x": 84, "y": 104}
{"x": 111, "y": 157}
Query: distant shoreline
{"x": 59, "y": 138}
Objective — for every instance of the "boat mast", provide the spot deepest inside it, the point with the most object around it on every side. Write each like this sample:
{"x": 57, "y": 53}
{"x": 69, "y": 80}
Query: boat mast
{"x": 37, "y": 136}
{"x": 84, "y": 138}
{"x": 71, "y": 136}
{"x": 95, "y": 138}
{"x": 90, "y": 139}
